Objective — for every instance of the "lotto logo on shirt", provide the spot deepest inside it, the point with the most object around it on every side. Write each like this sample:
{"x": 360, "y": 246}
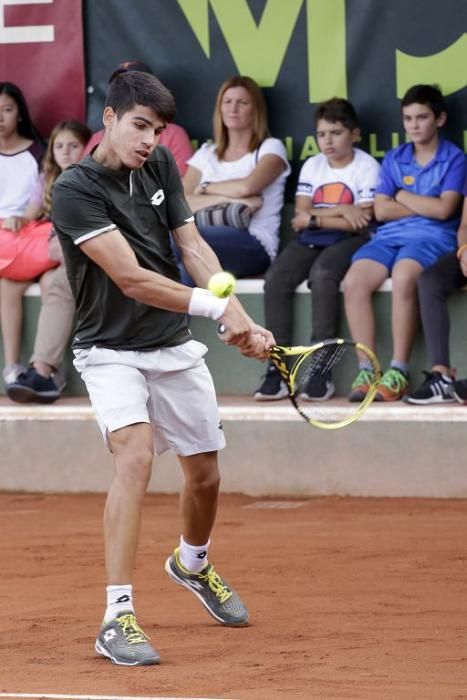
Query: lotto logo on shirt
{"x": 157, "y": 198}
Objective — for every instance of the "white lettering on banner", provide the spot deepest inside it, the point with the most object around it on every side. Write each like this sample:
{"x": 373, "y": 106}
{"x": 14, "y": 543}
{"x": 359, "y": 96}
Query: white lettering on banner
{"x": 25, "y": 35}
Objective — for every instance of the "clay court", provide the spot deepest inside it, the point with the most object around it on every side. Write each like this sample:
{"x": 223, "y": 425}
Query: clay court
{"x": 350, "y": 599}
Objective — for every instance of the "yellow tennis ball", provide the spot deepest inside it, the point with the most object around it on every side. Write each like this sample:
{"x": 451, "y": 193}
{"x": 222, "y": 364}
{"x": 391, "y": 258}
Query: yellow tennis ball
{"x": 222, "y": 284}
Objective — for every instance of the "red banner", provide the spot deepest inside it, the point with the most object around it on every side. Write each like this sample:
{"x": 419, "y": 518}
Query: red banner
{"x": 41, "y": 51}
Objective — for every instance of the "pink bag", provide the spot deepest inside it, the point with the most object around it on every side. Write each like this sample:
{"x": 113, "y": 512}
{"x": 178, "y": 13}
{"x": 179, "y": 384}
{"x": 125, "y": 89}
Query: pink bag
{"x": 25, "y": 255}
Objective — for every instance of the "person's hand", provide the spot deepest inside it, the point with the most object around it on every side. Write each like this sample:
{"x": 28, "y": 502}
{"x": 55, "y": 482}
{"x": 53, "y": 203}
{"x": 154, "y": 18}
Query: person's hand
{"x": 357, "y": 217}
{"x": 259, "y": 343}
{"x": 255, "y": 202}
{"x": 13, "y": 223}
{"x": 239, "y": 330}
{"x": 300, "y": 221}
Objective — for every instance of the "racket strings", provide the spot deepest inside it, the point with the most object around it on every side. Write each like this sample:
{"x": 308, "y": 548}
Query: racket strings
{"x": 313, "y": 375}
{"x": 333, "y": 362}
{"x": 316, "y": 368}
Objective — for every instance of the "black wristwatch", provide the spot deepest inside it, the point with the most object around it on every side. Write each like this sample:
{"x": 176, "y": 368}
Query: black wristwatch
{"x": 204, "y": 186}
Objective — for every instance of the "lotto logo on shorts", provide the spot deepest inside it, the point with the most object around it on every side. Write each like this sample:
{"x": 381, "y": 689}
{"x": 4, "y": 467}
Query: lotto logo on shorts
{"x": 157, "y": 198}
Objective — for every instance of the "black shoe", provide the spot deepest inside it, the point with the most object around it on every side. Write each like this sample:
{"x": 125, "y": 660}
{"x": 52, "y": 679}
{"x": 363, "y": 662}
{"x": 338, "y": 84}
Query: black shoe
{"x": 320, "y": 387}
{"x": 436, "y": 388}
{"x": 273, "y": 386}
{"x": 459, "y": 390}
{"x": 33, "y": 387}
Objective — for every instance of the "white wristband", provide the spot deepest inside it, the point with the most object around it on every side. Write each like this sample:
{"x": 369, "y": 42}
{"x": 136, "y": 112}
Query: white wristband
{"x": 204, "y": 303}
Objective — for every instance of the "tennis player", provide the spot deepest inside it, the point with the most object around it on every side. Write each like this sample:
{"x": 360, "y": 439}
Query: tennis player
{"x": 145, "y": 374}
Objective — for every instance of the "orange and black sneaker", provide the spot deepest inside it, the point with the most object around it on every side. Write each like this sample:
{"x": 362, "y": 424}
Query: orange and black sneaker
{"x": 393, "y": 385}
{"x": 361, "y": 385}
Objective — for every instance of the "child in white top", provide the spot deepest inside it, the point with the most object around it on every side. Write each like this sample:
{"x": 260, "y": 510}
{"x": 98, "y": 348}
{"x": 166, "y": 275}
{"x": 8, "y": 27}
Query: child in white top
{"x": 65, "y": 147}
{"x": 21, "y": 151}
{"x": 333, "y": 210}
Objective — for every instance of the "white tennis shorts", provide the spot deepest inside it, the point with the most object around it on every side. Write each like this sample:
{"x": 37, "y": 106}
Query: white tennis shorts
{"x": 170, "y": 388}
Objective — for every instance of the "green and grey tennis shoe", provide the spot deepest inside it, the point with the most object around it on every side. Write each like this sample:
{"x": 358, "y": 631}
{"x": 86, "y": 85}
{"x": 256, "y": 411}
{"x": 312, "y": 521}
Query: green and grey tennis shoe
{"x": 123, "y": 642}
{"x": 219, "y": 599}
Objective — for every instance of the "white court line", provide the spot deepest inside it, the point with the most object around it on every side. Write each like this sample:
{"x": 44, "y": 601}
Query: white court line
{"x": 52, "y": 696}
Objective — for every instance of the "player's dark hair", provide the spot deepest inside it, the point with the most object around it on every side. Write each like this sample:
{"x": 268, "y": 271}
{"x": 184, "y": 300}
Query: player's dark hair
{"x": 429, "y": 95}
{"x": 25, "y": 125}
{"x": 337, "y": 110}
{"x": 136, "y": 88}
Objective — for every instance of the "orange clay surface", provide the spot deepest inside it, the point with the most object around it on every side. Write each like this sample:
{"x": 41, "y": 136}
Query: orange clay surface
{"x": 349, "y": 598}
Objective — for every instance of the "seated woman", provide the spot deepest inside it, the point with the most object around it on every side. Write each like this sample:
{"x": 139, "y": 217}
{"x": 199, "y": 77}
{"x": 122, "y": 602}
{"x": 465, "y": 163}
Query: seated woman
{"x": 243, "y": 165}
{"x": 65, "y": 147}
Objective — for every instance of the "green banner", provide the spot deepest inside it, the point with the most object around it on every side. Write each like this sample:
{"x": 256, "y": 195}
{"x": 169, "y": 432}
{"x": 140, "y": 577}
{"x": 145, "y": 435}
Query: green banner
{"x": 300, "y": 51}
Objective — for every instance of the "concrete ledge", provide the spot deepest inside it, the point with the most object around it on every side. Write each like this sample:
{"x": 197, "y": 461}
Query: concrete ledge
{"x": 247, "y": 411}
{"x": 244, "y": 286}
{"x": 393, "y": 450}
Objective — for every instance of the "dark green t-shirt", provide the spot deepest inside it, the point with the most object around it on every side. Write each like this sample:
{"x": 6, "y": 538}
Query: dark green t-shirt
{"x": 144, "y": 205}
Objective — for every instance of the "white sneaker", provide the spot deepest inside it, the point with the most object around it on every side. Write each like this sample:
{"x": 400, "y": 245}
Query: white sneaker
{"x": 12, "y": 372}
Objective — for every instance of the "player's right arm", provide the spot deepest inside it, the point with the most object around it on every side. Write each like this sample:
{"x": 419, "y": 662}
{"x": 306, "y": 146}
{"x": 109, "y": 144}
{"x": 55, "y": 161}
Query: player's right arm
{"x": 115, "y": 256}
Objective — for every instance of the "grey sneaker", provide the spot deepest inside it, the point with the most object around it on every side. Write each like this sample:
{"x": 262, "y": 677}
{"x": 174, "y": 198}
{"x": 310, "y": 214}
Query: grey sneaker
{"x": 123, "y": 642}
{"x": 219, "y": 599}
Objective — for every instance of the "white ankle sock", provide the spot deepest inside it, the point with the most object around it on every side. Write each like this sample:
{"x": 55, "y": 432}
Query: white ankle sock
{"x": 119, "y": 598}
{"x": 193, "y": 557}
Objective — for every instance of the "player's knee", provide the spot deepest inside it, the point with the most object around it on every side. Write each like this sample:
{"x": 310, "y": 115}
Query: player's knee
{"x": 135, "y": 465}
{"x": 205, "y": 479}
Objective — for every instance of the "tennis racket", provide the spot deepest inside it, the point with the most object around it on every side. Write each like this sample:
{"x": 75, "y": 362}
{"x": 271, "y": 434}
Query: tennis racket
{"x": 307, "y": 372}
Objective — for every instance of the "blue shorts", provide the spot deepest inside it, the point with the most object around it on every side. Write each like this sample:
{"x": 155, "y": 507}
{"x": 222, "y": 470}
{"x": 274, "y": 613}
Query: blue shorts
{"x": 388, "y": 252}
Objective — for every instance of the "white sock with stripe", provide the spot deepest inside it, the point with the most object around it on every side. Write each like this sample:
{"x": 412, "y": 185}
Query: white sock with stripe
{"x": 119, "y": 599}
{"x": 193, "y": 557}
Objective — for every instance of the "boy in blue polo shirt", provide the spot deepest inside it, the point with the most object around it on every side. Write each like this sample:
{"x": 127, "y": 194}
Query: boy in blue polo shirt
{"x": 417, "y": 201}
